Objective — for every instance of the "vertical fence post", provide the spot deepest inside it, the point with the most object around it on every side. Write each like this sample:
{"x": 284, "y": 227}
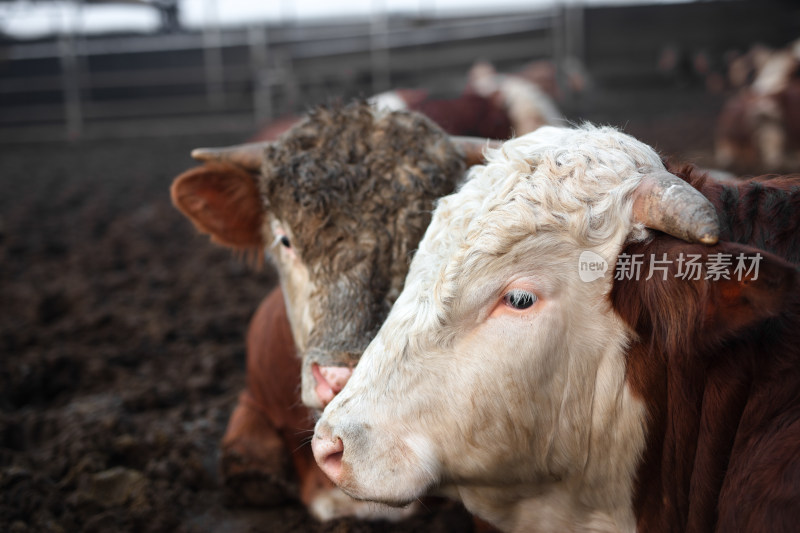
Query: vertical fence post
{"x": 70, "y": 82}
{"x": 258, "y": 41}
{"x": 212, "y": 57}
{"x": 293, "y": 95}
{"x": 568, "y": 52}
{"x": 379, "y": 48}
{"x": 575, "y": 31}
{"x": 559, "y": 53}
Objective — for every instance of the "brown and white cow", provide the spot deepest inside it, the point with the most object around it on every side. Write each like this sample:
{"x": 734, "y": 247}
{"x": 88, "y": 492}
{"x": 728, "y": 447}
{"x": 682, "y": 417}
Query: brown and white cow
{"x": 339, "y": 203}
{"x": 558, "y": 398}
{"x": 492, "y": 105}
{"x": 527, "y": 97}
{"x": 759, "y": 126}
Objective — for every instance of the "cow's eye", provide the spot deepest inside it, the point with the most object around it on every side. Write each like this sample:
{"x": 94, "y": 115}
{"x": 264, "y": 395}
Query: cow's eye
{"x": 282, "y": 238}
{"x": 519, "y": 299}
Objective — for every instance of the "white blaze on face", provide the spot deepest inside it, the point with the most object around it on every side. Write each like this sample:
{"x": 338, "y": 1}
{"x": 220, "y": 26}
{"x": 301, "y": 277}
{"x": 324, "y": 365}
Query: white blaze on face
{"x": 295, "y": 282}
{"x": 498, "y": 366}
{"x": 298, "y": 290}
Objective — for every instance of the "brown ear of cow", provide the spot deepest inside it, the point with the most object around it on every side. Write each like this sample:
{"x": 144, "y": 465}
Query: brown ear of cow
{"x": 680, "y": 314}
{"x": 222, "y": 200}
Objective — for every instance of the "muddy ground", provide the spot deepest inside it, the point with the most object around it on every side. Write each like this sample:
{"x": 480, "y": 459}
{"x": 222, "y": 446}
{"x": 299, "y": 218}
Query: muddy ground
{"x": 122, "y": 341}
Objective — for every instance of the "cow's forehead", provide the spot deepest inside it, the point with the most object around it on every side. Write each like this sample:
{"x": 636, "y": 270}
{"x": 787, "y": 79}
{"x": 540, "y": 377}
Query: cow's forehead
{"x": 337, "y": 154}
{"x": 572, "y": 185}
{"x": 353, "y": 175}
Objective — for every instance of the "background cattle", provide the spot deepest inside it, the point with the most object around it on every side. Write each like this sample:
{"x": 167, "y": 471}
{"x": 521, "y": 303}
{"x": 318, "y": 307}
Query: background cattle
{"x": 492, "y": 105}
{"x": 339, "y": 203}
{"x": 469, "y": 114}
{"x": 655, "y": 402}
{"x": 527, "y": 97}
{"x": 759, "y": 126}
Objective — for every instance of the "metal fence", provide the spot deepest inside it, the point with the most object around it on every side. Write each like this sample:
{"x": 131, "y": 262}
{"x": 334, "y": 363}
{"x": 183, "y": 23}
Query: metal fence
{"x": 236, "y": 79}
{"x": 78, "y": 86}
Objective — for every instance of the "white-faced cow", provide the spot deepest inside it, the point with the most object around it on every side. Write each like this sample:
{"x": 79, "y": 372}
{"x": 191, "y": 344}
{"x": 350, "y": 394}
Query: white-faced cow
{"x": 339, "y": 202}
{"x": 516, "y": 367}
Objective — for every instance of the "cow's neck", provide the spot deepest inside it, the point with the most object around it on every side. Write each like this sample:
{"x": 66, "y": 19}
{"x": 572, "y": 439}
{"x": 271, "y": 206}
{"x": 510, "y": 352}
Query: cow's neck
{"x": 556, "y": 510}
{"x": 703, "y": 415}
{"x": 689, "y": 439}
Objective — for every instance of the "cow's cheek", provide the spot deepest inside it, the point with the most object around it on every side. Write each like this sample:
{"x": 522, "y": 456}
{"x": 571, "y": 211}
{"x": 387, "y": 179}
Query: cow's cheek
{"x": 299, "y": 290}
{"x": 385, "y": 457}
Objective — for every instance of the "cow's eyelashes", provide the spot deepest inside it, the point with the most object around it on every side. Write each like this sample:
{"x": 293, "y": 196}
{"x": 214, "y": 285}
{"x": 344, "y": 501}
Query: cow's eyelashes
{"x": 519, "y": 299}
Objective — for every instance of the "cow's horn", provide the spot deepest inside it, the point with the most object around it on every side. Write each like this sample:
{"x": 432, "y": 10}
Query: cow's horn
{"x": 472, "y": 148}
{"x": 247, "y": 156}
{"x": 664, "y": 202}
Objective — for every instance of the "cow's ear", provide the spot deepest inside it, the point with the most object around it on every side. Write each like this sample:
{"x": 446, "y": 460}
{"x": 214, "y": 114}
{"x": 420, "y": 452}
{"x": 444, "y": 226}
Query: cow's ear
{"x": 222, "y": 200}
{"x": 758, "y": 291}
{"x": 678, "y": 307}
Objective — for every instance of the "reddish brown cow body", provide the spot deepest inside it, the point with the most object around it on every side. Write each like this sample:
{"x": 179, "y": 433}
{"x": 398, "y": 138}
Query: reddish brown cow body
{"x": 469, "y": 114}
{"x": 267, "y": 435}
{"x": 724, "y": 400}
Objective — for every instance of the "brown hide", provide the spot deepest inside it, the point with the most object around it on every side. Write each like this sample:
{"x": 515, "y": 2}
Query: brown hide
{"x": 266, "y": 443}
{"x": 717, "y": 364}
{"x": 468, "y": 115}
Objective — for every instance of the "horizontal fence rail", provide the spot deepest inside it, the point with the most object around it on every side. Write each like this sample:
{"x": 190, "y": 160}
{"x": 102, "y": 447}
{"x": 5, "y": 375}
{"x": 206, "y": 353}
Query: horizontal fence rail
{"x": 78, "y": 86}
{"x": 236, "y": 79}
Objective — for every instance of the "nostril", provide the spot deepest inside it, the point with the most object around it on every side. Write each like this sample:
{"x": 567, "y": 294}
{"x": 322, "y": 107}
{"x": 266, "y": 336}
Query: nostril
{"x": 330, "y": 381}
{"x": 328, "y": 453}
{"x": 333, "y": 463}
